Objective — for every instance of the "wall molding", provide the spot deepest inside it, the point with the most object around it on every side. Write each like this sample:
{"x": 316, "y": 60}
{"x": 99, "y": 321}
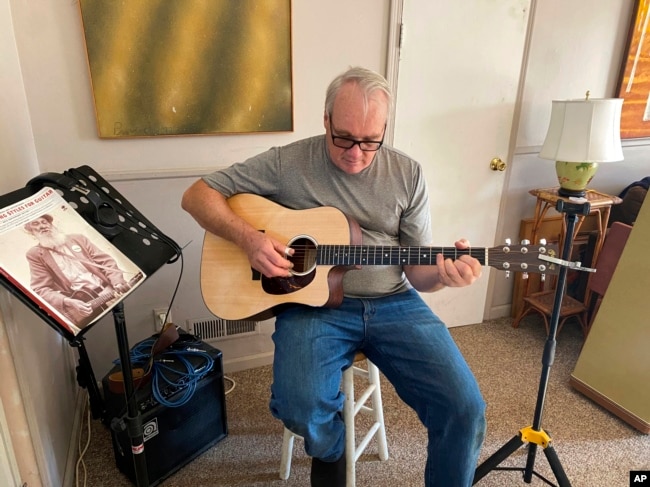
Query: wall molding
{"x": 116, "y": 176}
{"x": 627, "y": 143}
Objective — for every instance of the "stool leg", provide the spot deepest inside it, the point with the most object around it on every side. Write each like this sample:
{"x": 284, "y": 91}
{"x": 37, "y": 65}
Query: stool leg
{"x": 350, "y": 408}
{"x": 348, "y": 419}
{"x": 378, "y": 410}
{"x": 287, "y": 451}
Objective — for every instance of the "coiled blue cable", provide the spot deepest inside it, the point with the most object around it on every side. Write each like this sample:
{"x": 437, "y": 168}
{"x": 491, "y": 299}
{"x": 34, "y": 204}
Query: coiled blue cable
{"x": 165, "y": 376}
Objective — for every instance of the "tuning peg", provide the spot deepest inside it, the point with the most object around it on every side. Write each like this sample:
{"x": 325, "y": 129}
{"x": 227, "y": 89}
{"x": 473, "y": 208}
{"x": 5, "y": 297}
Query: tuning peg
{"x": 524, "y": 275}
{"x": 542, "y": 277}
{"x": 542, "y": 241}
{"x": 507, "y": 274}
{"x": 508, "y": 241}
{"x": 525, "y": 242}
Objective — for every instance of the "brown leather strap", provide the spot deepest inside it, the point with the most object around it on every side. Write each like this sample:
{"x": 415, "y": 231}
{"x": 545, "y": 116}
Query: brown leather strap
{"x": 167, "y": 337}
{"x": 116, "y": 380}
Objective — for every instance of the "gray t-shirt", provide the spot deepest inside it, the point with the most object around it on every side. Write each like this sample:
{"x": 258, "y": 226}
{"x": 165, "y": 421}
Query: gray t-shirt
{"x": 388, "y": 199}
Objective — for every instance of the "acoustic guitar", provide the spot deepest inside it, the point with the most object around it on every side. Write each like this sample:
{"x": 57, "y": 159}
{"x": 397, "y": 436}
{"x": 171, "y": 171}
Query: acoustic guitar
{"x": 327, "y": 244}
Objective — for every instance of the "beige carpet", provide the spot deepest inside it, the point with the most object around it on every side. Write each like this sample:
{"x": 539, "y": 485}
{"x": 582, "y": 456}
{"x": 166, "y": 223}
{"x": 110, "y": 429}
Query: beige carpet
{"x": 595, "y": 448}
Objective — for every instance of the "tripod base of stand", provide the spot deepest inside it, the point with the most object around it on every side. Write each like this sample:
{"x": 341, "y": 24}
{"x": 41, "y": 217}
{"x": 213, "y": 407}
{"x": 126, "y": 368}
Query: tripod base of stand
{"x": 533, "y": 438}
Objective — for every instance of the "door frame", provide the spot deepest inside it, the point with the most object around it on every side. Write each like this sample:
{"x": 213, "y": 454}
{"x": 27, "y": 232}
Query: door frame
{"x": 392, "y": 58}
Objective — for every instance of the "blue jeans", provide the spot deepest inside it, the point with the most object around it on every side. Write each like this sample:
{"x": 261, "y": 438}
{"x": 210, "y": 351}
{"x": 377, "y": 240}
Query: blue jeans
{"x": 413, "y": 349}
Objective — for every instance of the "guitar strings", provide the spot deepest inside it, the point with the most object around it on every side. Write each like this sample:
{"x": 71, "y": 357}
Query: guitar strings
{"x": 496, "y": 255}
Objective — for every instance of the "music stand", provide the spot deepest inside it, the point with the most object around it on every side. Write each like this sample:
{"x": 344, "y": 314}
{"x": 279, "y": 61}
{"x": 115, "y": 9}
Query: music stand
{"x": 111, "y": 214}
{"x": 534, "y": 435}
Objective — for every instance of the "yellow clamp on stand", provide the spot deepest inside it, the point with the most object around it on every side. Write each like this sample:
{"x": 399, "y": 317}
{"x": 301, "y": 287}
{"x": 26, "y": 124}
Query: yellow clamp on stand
{"x": 532, "y": 436}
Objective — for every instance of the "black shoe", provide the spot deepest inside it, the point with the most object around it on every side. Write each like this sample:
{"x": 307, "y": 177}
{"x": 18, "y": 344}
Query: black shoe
{"x": 328, "y": 474}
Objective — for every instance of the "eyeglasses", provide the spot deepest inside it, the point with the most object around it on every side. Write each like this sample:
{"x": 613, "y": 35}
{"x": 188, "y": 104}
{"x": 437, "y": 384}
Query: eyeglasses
{"x": 364, "y": 145}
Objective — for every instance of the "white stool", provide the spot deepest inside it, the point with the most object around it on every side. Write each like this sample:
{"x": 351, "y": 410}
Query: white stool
{"x": 350, "y": 410}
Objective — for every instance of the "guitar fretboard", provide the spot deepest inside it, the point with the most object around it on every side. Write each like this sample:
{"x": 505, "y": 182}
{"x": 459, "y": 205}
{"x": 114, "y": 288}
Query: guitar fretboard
{"x": 391, "y": 255}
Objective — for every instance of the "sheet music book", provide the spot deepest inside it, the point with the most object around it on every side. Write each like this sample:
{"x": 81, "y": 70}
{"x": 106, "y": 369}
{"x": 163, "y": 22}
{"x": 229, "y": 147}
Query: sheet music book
{"x": 61, "y": 263}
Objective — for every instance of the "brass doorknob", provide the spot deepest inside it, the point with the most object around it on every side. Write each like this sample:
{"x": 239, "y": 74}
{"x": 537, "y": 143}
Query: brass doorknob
{"x": 497, "y": 164}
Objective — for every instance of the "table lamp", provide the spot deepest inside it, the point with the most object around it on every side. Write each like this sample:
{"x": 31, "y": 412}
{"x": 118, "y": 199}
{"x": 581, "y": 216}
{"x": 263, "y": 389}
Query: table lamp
{"x": 582, "y": 134}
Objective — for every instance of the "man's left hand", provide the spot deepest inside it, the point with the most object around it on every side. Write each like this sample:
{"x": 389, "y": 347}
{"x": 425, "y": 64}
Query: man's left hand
{"x": 460, "y": 272}
{"x": 121, "y": 288}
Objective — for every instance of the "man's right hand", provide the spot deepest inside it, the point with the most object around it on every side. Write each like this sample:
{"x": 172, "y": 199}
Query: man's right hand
{"x": 268, "y": 255}
{"x": 79, "y": 307}
{"x": 211, "y": 210}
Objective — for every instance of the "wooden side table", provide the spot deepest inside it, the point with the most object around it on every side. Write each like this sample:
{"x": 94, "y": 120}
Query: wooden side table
{"x": 600, "y": 204}
{"x": 547, "y": 198}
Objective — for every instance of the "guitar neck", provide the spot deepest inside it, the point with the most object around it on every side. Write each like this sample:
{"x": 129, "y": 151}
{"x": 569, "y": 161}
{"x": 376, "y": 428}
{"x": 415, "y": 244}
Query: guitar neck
{"x": 106, "y": 296}
{"x": 350, "y": 255}
{"x": 102, "y": 299}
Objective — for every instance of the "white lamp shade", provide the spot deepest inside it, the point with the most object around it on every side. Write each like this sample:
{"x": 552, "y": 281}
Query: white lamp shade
{"x": 584, "y": 131}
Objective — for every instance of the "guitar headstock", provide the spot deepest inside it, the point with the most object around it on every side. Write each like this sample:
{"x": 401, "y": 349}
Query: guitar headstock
{"x": 524, "y": 257}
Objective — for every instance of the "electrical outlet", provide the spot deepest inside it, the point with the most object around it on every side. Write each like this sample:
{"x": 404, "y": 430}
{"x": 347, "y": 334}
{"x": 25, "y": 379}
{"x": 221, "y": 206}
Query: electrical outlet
{"x": 159, "y": 318}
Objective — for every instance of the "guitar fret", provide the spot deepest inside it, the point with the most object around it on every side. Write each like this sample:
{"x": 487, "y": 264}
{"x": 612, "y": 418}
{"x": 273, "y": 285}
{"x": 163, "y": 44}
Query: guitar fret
{"x": 351, "y": 255}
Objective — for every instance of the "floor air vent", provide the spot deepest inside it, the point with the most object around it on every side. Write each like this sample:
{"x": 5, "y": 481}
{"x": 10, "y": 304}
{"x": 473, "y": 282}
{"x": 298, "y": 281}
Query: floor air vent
{"x": 215, "y": 329}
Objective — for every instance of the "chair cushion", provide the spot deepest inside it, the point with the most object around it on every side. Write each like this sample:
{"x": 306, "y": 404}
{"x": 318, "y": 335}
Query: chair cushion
{"x": 609, "y": 255}
{"x": 627, "y": 211}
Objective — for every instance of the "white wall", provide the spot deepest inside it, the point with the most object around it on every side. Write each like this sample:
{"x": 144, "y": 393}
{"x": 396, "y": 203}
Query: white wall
{"x": 575, "y": 46}
{"x": 50, "y": 40}
{"x": 48, "y": 124}
{"x": 43, "y": 368}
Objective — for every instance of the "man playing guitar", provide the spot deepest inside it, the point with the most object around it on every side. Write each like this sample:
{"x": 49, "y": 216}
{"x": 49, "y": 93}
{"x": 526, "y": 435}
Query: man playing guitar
{"x": 381, "y": 314}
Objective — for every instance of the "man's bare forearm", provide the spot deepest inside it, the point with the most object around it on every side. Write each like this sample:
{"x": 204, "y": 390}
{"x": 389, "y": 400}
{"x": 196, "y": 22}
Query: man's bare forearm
{"x": 211, "y": 210}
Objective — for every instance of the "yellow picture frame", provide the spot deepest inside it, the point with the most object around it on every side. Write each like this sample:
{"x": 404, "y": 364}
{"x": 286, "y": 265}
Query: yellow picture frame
{"x": 181, "y": 67}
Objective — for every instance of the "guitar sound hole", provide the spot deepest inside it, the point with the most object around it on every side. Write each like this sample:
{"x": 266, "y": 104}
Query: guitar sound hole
{"x": 303, "y": 272}
{"x": 304, "y": 256}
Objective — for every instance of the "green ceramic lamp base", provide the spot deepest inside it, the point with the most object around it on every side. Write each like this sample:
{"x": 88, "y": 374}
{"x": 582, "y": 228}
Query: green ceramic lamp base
{"x": 574, "y": 177}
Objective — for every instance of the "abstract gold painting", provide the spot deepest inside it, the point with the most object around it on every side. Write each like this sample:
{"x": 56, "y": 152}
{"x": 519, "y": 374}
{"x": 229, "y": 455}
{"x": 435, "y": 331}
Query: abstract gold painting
{"x": 181, "y": 67}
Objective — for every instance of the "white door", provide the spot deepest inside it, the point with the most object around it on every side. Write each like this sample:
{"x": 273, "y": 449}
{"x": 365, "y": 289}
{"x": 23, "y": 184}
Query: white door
{"x": 458, "y": 76}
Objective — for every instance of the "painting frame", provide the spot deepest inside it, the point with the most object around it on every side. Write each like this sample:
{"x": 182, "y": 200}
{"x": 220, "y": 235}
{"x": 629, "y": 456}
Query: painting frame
{"x": 189, "y": 67}
{"x": 634, "y": 75}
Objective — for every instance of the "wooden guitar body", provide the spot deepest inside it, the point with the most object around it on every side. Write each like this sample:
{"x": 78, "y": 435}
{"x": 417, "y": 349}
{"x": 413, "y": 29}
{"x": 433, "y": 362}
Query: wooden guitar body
{"x": 232, "y": 290}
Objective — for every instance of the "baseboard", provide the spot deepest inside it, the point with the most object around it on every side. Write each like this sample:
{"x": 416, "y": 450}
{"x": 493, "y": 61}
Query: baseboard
{"x": 248, "y": 362}
{"x": 500, "y": 311}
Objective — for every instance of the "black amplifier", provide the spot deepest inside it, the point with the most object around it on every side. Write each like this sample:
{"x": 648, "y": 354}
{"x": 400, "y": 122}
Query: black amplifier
{"x": 180, "y": 420}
